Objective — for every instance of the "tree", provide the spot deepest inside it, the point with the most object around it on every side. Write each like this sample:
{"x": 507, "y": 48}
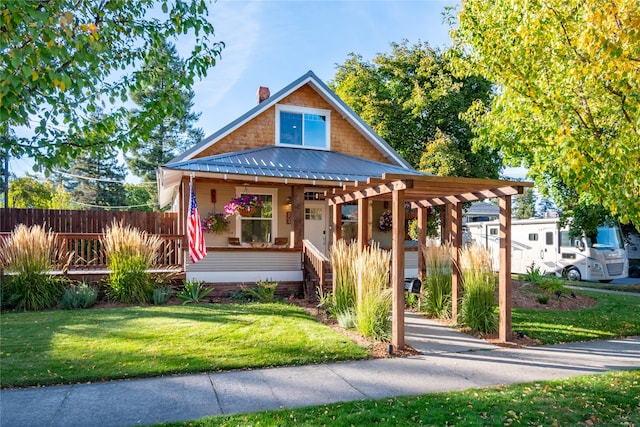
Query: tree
{"x": 139, "y": 198}
{"x": 62, "y": 60}
{"x": 35, "y": 192}
{"x": 568, "y": 103}
{"x": 525, "y": 204}
{"x": 97, "y": 180}
{"x": 411, "y": 98}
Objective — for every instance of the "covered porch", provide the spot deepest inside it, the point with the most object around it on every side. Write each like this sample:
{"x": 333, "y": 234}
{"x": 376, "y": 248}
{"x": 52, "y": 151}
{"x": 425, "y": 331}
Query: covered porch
{"x": 422, "y": 192}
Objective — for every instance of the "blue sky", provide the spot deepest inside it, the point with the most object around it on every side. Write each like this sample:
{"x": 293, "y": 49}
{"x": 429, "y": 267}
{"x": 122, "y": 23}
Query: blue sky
{"x": 271, "y": 43}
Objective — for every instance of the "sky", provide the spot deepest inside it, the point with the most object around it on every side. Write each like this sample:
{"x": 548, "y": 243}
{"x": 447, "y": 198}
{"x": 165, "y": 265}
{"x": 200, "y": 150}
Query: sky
{"x": 273, "y": 42}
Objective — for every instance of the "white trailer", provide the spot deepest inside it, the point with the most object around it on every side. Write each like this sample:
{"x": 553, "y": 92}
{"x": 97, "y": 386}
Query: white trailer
{"x": 542, "y": 243}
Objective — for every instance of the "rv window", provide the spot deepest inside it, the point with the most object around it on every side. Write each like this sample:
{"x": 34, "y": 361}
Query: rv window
{"x": 549, "y": 237}
{"x": 493, "y": 231}
{"x": 533, "y": 236}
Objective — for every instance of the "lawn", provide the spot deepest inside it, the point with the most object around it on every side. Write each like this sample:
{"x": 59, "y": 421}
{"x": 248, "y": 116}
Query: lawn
{"x": 53, "y": 347}
{"x": 605, "y": 399}
{"x": 613, "y": 316}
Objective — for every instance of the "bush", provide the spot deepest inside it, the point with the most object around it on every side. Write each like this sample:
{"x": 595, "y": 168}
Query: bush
{"x": 543, "y": 299}
{"x": 79, "y": 296}
{"x": 130, "y": 253}
{"x": 533, "y": 275}
{"x": 552, "y": 285}
{"x": 162, "y": 295}
{"x": 346, "y": 319}
{"x": 264, "y": 291}
{"x": 193, "y": 292}
{"x": 30, "y": 254}
{"x": 478, "y": 308}
{"x": 437, "y": 289}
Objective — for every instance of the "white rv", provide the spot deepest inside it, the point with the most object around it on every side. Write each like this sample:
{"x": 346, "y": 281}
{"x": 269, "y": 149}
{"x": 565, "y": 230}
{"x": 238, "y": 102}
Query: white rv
{"x": 541, "y": 242}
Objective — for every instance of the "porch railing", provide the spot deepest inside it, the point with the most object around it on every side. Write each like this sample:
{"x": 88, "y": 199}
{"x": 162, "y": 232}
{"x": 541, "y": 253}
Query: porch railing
{"x": 87, "y": 253}
{"x": 316, "y": 262}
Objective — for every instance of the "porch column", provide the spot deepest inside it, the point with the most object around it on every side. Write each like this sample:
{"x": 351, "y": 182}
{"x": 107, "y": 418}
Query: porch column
{"x": 455, "y": 216}
{"x": 337, "y": 222}
{"x": 397, "y": 269}
{"x": 422, "y": 241}
{"x": 297, "y": 215}
{"x": 363, "y": 223}
{"x": 445, "y": 224}
{"x": 504, "y": 281}
{"x": 183, "y": 212}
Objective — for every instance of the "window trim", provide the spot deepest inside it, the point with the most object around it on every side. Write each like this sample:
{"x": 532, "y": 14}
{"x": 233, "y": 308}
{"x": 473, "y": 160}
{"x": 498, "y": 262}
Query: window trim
{"x": 273, "y": 192}
{"x": 303, "y": 110}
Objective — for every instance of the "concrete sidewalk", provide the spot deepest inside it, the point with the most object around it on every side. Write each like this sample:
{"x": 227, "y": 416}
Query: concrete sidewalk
{"x": 450, "y": 361}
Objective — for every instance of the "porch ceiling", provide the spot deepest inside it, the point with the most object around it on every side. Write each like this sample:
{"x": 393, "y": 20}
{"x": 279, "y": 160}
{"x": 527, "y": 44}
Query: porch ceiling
{"x": 425, "y": 191}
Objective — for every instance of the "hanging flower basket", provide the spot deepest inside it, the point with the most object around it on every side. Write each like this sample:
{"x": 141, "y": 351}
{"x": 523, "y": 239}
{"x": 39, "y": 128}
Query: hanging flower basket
{"x": 246, "y": 212}
{"x": 215, "y": 223}
{"x": 243, "y": 205}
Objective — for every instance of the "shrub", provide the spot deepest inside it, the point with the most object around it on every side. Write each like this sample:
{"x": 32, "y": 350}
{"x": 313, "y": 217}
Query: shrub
{"x": 478, "y": 306}
{"x": 264, "y": 291}
{"x": 551, "y": 285}
{"x": 437, "y": 289}
{"x": 79, "y": 296}
{"x": 543, "y": 299}
{"x": 162, "y": 295}
{"x": 344, "y": 282}
{"x": 346, "y": 319}
{"x": 193, "y": 292}
{"x": 534, "y": 274}
{"x": 130, "y": 253}
{"x": 30, "y": 254}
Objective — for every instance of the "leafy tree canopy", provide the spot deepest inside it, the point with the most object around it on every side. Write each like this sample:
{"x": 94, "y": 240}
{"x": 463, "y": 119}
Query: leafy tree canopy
{"x": 568, "y": 104}
{"x": 35, "y": 192}
{"x": 411, "y": 98}
{"x": 62, "y": 60}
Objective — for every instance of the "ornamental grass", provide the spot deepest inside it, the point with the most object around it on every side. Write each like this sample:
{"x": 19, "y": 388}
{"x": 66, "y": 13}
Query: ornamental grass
{"x": 374, "y": 296}
{"x": 130, "y": 254}
{"x": 30, "y": 254}
{"x": 344, "y": 281}
{"x": 437, "y": 289}
{"x": 478, "y": 309}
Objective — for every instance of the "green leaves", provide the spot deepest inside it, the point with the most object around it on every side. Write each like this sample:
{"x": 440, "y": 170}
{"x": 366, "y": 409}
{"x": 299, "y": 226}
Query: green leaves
{"x": 61, "y": 60}
{"x": 568, "y": 103}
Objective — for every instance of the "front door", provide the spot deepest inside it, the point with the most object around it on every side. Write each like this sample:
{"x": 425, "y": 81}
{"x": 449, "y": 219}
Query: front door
{"x": 315, "y": 223}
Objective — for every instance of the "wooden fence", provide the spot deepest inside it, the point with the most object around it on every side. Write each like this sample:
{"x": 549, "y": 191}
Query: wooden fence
{"x": 79, "y": 233}
{"x": 76, "y": 221}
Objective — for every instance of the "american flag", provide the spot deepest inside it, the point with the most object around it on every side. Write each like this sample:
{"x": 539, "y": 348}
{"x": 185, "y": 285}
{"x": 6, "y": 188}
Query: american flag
{"x": 197, "y": 248}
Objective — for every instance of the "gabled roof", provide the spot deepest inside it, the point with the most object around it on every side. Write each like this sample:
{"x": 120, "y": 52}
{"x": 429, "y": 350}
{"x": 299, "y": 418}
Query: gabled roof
{"x": 326, "y": 93}
{"x": 294, "y": 163}
{"x": 277, "y": 165}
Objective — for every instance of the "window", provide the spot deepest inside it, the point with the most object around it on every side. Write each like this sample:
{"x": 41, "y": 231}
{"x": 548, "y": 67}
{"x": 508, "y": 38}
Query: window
{"x": 533, "y": 237}
{"x": 549, "y": 237}
{"x": 493, "y": 231}
{"x": 349, "y": 221}
{"x": 302, "y": 127}
{"x": 258, "y": 227}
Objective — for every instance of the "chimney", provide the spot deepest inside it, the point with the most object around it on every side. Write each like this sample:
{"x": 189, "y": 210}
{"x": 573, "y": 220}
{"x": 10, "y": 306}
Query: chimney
{"x": 263, "y": 93}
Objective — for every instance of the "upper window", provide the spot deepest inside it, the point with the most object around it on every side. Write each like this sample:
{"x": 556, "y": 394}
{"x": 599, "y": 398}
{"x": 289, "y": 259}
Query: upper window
{"x": 302, "y": 127}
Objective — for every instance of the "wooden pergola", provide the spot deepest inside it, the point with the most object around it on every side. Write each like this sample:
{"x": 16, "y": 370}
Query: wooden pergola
{"x": 423, "y": 192}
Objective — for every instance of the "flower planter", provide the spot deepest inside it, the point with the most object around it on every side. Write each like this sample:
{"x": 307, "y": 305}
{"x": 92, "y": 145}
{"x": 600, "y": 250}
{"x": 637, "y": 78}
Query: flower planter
{"x": 246, "y": 212}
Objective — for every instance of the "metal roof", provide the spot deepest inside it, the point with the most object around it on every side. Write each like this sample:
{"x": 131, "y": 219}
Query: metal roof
{"x": 291, "y": 163}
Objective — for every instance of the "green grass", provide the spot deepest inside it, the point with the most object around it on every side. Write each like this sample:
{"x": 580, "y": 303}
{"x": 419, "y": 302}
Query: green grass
{"x": 604, "y": 399}
{"x": 613, "y": 316}
{"x": 609, "y": 286}
{"x": 61, "y": 346}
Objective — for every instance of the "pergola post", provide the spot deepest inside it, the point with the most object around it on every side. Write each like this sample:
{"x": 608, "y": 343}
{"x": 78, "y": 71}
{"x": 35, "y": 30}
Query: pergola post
{"x": 455, "y": 216}
{"x": 504, "y": 281}
{"x": 422, "y": 240}
{"x": 297, "y": 215}
{"x": 397, "y": 269}
{"x": 363, "y": 223}
{"x": 337, "y": 222}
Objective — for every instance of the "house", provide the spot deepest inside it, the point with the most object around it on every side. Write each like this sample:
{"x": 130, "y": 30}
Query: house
{"x": 288, "y": 150}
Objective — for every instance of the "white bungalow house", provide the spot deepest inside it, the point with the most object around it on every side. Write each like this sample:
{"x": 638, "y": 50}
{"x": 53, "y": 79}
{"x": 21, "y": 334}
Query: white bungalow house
{"x": 288, "y": 150}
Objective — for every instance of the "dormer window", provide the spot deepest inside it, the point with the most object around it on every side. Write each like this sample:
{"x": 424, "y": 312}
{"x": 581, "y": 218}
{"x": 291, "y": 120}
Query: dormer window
{"x": 302, "y": 127}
